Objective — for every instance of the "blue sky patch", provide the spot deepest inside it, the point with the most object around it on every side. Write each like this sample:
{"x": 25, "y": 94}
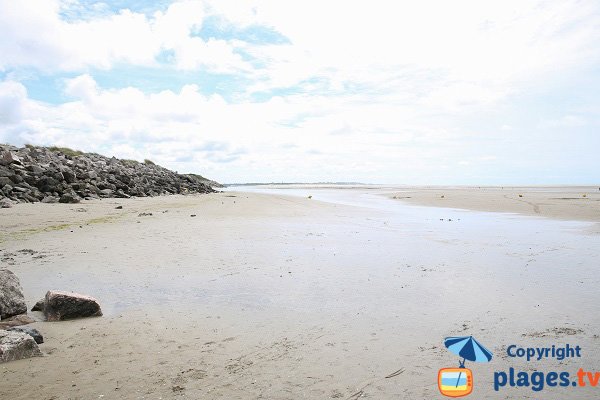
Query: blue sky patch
{"x": 215, "y": 27}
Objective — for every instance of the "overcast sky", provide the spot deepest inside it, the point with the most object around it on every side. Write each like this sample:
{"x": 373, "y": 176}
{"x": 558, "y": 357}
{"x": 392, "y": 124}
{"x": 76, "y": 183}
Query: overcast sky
{"x": 421, "y": 92}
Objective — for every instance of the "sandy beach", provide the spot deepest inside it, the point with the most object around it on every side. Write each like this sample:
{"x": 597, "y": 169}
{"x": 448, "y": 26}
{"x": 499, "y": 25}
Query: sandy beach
{"x": 562, "y": 202}
{"x": 267, "y": 294}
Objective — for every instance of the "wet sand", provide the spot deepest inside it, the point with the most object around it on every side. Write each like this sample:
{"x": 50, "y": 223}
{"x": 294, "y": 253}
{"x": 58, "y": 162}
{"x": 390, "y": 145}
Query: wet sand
{"x": 563, "y": 202}
{"x": 271, "y": 296}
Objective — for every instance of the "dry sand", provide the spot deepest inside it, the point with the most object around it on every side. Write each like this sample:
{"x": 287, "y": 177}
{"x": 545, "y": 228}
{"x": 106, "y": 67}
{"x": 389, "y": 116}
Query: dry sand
{"x": 267, "y": 296}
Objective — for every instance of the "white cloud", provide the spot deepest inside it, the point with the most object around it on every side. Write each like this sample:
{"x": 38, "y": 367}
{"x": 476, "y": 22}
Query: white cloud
{"x": 397, "y": 88}
{"x": 12, "y": 97}
{"x": 35, "y": 35}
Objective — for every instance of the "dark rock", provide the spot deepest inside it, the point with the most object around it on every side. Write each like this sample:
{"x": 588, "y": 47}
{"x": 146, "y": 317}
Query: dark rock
{"x": 119, "y": 207}
{"x": 34, "y": 333}
{"x": 39, "y": 306}
{"x": 12, "y": 301}
{"x": 6, "y": 172}
{"x": 36, "y": 169}
{"x": 47, "y": 184}
{"x": 17, "y": 346}
{"x": 69, "y": 198}
{"x": 69, "y": 175}
{"x": 59, "y": 306}
{"x": 17, "y": 178}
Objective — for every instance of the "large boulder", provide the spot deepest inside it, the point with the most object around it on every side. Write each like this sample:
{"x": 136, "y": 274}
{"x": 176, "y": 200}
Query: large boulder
{"x": 61, "y": 305}
{"x": 12, "y": 301}
{"x": 16, "y": 346}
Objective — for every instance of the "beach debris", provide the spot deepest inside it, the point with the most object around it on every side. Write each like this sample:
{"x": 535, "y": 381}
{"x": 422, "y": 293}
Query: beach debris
{"x": 584, "y": 195}
{"x": 520, "y": 195}
{"x": 118, "y": 207}
{"x": 17, "y": 320}
{"x": 144, "y": 214}
{"x": 12, "y": 301}
{"x": 393, "y": 374}
{"x": 59, "y": 306}
{"x": 442, "y": 196}
{"x": 39, "y": 306}
{"x": 34, "y": 333}
{"x": 192, "y": 215}
{"x": 310, "y": 197}
{"x": 16, "y": 346}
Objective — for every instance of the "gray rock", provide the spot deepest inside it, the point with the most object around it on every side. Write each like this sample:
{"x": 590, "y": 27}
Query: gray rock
{"x": 8, "y": 157}
{"x": 5, "y": 180}
{"x": 92, "y": 175}
{"x": 17, "y": 346}
{"x": 50, "y": 199}
{"x": 59, "y": 306}
{"x": 34, "y": 333}
{"x": 12, "y": 301}
{"x": 5, "y": 203}
{"x": 17, "y": 320}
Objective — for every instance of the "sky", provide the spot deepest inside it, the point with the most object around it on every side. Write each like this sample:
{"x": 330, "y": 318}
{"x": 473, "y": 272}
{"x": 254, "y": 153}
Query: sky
{"x": 427, "y": 92}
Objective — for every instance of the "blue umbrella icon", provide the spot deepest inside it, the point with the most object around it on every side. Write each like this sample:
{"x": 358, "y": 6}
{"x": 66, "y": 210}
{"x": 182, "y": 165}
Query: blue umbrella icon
{"x": 468, "y": 348}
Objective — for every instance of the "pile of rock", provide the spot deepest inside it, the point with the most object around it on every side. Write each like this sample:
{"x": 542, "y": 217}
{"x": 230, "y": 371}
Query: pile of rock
{"x": 50, "y": 175}
{"x": 18, "y": 341}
